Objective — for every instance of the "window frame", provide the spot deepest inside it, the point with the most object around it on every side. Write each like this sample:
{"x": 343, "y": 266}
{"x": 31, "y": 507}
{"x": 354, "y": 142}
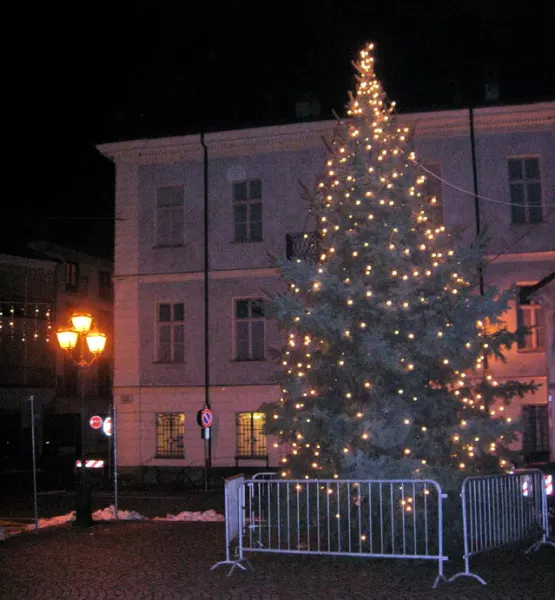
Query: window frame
{"x": 173, "y": 210}
{"x": 537, "y": 320}
{"x": 250, "y": 320}
{"x": 172, "y": 323}
{"x": 540, "y": 421}
{"x": 160, "y": 452}
{"x": 257, "y": 446}
{"x": 525, "y": 182}
{"x": 105, "y": 285}
{"x": 71, "y": 276}
{"x": 248, "y": 202}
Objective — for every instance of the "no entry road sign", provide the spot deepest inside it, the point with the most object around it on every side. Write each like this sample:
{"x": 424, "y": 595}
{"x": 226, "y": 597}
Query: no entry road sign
{"x": 95, "y": 422}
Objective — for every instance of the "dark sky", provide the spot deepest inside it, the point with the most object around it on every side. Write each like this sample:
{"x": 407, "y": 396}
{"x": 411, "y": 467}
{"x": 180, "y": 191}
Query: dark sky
{"x": 72, "y": 79}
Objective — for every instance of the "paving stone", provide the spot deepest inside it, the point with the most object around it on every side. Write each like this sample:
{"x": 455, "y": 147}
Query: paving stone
{"x": 160, "y": 560}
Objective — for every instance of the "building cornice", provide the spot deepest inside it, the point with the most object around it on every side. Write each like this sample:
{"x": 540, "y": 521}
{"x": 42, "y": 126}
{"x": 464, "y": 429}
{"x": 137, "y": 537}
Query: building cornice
{"x": 521, "y": 257}
{"x": 274, "y": 272}
{"x": 302, "y": 136}
{"x": 24, "y": 261}
{"x": 199, "y": 275}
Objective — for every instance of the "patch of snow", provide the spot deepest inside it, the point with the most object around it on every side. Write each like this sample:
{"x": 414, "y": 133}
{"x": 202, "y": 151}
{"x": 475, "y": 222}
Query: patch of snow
{"x": 61, "y": 520}
{"x": 206, "y": 516}
{"x": 108, "y": 514}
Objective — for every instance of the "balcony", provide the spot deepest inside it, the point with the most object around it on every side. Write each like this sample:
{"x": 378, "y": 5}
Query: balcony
{"x": 303, "y": 246}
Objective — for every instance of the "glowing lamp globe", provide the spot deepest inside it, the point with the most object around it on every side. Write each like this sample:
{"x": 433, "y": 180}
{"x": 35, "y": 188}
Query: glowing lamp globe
{"x": 67, "y": 338}
{"x": 96, "y": 342}
{"x": 81, "y": 322}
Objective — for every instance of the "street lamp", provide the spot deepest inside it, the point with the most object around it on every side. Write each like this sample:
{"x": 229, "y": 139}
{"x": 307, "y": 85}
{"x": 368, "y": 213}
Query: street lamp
{"x": 68, "y": 338}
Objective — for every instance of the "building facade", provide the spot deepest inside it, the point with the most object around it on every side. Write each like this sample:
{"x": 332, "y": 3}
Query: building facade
{"x": 174, "y": 268}
{"x": 40, "y": 285}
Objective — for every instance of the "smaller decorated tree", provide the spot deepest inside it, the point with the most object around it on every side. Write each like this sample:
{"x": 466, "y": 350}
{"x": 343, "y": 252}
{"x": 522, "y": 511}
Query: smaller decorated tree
{"x": 388, "y": 339}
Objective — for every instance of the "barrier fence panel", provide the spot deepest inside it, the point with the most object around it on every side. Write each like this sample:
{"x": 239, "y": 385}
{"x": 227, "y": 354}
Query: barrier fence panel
{"x": 264, "y": 475}
{"x": 500, "y": 510}
{"x": 378, "y": 518}
{"x": 234, "y": 506}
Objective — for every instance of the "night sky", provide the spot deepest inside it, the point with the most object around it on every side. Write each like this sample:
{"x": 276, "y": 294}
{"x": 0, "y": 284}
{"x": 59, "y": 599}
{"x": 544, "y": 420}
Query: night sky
{"x": 71, "y": 80}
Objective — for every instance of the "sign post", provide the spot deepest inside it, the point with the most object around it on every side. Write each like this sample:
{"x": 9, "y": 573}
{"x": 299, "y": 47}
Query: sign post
{"x": 115, "y": 454}
{"x": 205, "y": 420}
{"x": 33, "y": 449}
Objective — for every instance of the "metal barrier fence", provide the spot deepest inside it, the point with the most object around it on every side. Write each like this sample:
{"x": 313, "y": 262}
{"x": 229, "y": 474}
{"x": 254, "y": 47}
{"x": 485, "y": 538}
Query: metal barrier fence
{"x": 264, "y": 475}
{"x": 234, "y": 491}
{"x": 503, "y": 509}
{"x": 373, "y": 519}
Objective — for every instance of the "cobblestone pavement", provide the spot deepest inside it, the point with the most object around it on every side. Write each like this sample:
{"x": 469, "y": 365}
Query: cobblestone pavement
{"x": 161, "y": 560}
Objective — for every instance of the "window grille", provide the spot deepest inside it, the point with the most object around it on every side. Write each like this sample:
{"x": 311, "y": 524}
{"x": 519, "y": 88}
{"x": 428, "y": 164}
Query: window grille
{"x": 251, "y": 438}
{"x": 302, "y": 245}
{"x": 536, "y": 433}
{"x": 170, "y": 429}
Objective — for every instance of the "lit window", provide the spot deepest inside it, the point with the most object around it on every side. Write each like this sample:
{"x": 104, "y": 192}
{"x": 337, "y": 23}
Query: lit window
{"x": 247, "y": 210}
{"x": 170, "y": 429}
{"x": 249, "y": 329}
{"x": 169, "y": 215}
{"x": 530, "y": 321}
{"x": 525, "y": 188}
{"x": 171, "y": 333}
{"x": 251, "y": 438}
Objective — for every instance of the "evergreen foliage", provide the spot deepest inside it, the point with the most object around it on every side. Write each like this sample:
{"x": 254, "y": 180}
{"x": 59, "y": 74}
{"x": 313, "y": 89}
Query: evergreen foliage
{"x": 388, "y": 340}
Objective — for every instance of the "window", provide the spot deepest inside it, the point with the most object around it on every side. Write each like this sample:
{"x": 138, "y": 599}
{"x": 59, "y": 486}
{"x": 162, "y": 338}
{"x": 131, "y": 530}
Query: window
{"x": 72, "y": 277}
{"x": 170, "y": 429}
{"x": 171, "y": 334}
{"x": 104, "y": 378}
{"x": 249, "y": 329}
{"x": 251, "y": 438}
{"x": 535, "y": 438}
{"x": 303, "y": 246}
{"x": 105, "y": 285}
{"x": 70, "y": 380}
{"x": 169, "y": 215}
{"x": 530, "y": 319}
{"x": 247, "y": 210}
{"x": 525, "y": 188}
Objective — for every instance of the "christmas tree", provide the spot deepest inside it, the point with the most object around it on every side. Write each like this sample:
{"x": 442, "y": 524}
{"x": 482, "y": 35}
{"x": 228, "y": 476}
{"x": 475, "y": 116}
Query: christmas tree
{"x": 388, "y": 339}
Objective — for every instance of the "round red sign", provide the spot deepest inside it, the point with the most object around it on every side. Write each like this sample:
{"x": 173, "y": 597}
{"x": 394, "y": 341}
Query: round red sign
{"x": 95, "y": 422}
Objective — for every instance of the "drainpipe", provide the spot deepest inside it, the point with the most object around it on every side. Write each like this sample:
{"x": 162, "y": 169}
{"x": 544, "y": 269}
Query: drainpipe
{"x": 475, "y": 190}
{"x": 206, "y": 294}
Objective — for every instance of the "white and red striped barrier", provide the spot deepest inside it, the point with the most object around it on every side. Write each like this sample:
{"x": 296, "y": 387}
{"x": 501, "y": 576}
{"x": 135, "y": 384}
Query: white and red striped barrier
{"x": 548, "y": 482}
{"x": 90, "y": 464}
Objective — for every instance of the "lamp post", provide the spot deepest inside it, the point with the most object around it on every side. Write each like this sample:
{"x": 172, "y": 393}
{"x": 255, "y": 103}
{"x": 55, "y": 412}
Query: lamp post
{"x": 79, "y": 332}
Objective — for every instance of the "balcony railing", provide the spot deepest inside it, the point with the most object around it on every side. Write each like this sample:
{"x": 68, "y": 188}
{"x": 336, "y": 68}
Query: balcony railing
{"x": 302, "y": 246}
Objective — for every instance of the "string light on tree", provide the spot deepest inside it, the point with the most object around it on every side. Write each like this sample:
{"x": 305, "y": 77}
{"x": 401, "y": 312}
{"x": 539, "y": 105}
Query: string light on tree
{"x": 395, "y": 383}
